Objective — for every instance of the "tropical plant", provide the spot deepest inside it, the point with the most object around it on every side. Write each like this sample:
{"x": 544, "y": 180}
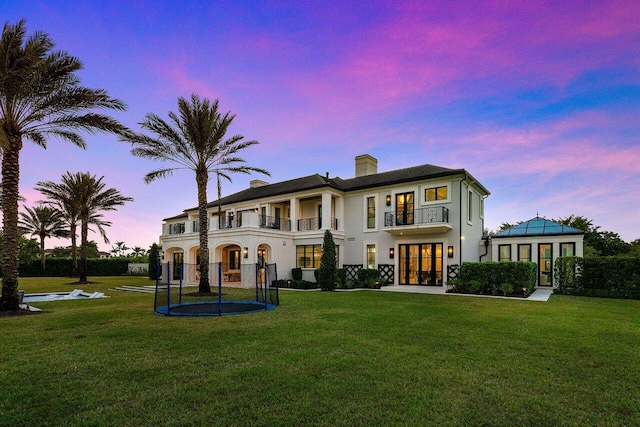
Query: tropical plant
{"x": 40, "y": 96}
{"x": 43, "y": 222}
{"x": 137, "y": 252}
{"x": 119, "y": 249}
{"x": 66, "y": 197}
{"x": 94, "y": 198}
{"x": 193, "y": 139}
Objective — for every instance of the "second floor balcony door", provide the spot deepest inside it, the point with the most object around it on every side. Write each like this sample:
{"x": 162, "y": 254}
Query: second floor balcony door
{"x": 404, "y": 208}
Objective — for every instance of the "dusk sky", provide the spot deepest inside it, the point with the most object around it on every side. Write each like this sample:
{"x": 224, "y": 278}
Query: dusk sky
{"x": 539, "y": 100}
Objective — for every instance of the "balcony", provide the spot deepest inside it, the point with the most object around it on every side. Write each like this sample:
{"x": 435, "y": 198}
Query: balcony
{"x": 312, "y": 224}
{"x": 418, "y": 221}
{"x": 274, "y": 223}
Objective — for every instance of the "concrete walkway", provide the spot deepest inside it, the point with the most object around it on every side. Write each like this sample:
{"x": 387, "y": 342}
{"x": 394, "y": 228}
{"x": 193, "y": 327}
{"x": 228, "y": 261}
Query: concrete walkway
{"x": 537, "y": 295}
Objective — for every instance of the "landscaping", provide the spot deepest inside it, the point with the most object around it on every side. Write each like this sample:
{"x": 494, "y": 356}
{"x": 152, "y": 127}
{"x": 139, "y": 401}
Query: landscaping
{"x": 322, "y": 358}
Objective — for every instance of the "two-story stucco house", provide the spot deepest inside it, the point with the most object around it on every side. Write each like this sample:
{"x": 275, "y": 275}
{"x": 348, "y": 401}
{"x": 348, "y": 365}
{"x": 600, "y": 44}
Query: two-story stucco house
{"x": 412, "y": 223}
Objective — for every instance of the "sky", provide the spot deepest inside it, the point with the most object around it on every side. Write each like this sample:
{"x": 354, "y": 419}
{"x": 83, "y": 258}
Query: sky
{"x": 540, "y": 101}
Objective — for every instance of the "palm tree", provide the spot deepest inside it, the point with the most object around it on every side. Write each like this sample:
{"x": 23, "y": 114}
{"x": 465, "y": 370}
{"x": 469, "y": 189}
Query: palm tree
{"x": 44, "y": 222}
{"x": 194, "y": 139}
{"x": 65, "y": 197}
{"x": 138, "y": 252}
{"x": 93, "y": 198}
{"x": 119, "y": 249}
{"x": 40, "y": 96}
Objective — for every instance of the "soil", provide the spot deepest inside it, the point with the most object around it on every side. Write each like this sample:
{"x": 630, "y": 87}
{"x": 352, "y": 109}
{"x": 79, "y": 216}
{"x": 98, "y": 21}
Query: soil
{"x": 19, "y": 312}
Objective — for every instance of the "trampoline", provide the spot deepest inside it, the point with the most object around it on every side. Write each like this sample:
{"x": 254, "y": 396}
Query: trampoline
{"x": 213, "y": 308}
{"x": 254, "y": 293}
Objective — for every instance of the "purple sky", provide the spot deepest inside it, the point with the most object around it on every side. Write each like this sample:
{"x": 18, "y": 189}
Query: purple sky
{"x": 538, "y": 100}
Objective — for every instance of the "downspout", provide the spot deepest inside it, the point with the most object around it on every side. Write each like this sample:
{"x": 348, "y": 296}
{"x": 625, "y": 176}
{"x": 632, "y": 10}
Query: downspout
{"x": 486, "y": 247}
{"x": 460, "y": 220}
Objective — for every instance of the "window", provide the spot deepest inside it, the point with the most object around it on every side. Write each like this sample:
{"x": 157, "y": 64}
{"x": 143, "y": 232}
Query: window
{"x": 234, "y": 259}
{"x": 404, "y": 209}
{"x": 470, "y": 207}
{"x": 371, "y": 212}
{"x": 435, "y": 193}
{"x": 567, "y": 249}
{"x": 371, "y": 256}
{"x": 176, "y": 228}
{"x": 308, "y": 256}
{"x": 481, "y": 207}
{"x": 524, "y": 253}
{"x": 504, "y": 253}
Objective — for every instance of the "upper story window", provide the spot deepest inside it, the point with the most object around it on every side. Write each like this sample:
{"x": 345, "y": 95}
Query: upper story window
{"x": 470, "y": 207}
{"x": 436, "y": 193}
{"x": 371, "y": 212}
{"x": 176, "y": 228}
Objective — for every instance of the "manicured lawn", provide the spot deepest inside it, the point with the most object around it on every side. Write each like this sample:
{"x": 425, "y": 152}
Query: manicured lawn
{"x": 347, "y": 358}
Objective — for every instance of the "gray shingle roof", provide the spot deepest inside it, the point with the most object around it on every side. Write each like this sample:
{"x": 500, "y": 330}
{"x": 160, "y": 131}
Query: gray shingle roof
{"x": 310, "y": 182}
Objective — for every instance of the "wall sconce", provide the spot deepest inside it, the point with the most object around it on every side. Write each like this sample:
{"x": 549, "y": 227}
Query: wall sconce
{"x": 246, "y": 252}
{"x": 391, "y": 253}
{"x": 450, "y": 251}
{"x": 388, "y": 200}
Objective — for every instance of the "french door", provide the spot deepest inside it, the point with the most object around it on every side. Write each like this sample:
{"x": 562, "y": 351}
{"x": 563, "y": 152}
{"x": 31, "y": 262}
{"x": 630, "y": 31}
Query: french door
{"x": 404, "y": 208}
{"x": 421, "y": 264}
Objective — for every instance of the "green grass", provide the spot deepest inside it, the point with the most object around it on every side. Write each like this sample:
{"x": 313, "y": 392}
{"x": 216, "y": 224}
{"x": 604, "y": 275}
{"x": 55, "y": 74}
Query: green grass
{"x": 343, "y": 358}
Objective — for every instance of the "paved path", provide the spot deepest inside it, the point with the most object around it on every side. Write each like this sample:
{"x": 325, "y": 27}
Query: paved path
{"x": 537, "y": 295}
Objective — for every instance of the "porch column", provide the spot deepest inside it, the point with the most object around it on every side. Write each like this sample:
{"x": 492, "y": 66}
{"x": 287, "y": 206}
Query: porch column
{"x": 326, "y": 211}
{"x": 293, "y": 213}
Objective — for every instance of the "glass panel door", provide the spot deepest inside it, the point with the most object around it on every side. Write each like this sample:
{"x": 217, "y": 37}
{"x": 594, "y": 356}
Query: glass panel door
{"x": 404, "y": 209}
{"x": 421, "y": 264}
{"x": 545, "y": 266}
{"x": 178, "y": 260}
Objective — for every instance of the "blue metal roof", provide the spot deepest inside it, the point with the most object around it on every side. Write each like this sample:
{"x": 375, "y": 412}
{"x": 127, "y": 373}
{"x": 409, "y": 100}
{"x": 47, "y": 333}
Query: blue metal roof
{"x": 538, "y": 227}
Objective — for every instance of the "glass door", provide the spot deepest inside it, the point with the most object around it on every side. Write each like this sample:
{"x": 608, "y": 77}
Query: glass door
{"x": 545, "y": 266}
{"x": 404, "y": 209}
{"x": 178, "y": 260}
{"x": 421, "y": 264}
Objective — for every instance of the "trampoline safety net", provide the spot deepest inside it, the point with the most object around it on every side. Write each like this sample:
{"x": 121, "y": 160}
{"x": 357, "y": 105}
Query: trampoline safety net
{"x": 251, "y": 287}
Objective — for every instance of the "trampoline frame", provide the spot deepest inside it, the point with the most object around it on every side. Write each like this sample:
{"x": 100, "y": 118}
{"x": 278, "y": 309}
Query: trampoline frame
{"x": 262, "y": 302}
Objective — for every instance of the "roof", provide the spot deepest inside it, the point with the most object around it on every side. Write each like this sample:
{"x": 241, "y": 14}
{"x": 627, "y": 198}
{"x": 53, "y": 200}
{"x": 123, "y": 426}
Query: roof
{"x": 538, "y": 227}
{"x": 310, "y": 182}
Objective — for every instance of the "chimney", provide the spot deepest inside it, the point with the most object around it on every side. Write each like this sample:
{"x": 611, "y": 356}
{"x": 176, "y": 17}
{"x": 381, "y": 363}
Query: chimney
{"x": 366, "y": 165}
{"x": 257, "y": 183}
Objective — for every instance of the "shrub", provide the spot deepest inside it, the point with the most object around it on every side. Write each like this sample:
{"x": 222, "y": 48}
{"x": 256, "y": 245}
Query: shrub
{"x": 607, "y": 277}
{"x": 326, "y": 274}
{"x": 296, "y": 273}
{"x": 367, "y": 278}
{"x": 154, "y": 261}
{"x": 61, "y": 267}
{"x": 506, "y": 289}
{"x": 487, "y": 277}
{"x": 303, "y": 284}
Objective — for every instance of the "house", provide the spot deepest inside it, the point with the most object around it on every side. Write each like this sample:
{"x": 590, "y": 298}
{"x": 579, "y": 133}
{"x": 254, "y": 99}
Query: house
{"x": 539, "y": 240}
{"x": 410, "y": 224}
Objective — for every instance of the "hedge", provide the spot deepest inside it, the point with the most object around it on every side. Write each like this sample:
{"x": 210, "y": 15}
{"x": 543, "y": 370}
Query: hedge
{"x": 609, "y": 277}
{"x": 492, "y": 278}
{"x": 62, "y": 267}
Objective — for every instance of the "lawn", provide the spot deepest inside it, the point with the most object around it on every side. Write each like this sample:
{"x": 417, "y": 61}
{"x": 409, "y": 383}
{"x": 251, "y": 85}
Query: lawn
{"x": 342, "y": 358}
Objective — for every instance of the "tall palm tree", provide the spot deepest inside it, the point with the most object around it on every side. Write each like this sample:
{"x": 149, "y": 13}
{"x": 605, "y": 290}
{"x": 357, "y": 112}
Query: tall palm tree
{"x": 65, "y": 197}
{"x": 193, "y": 139}
{"x": 92, "y": 199}
{"x": 40, "y": 96}
{"x": 44, "y": 222}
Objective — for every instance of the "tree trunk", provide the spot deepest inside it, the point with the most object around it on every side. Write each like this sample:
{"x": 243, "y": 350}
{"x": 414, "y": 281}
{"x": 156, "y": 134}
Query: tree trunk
{"x": 203, "y": 227}
{"x": 74, "y": 251}
{"x": 42, "y": 253}
{"x": 84, "y": 233}
{"x": 10, "y": 243}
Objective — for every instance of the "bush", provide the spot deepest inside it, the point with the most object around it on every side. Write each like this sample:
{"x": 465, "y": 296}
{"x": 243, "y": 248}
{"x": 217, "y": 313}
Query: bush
{"x": 368, "y": 278}
{"x": 154, "y": 261}
{"x": 607, "y": 277}
{"x": 296, "y": 273}
{"x": 303, "y": 284}
{"x": 62, "y": 267}
{"x": 487, "y": 278}
{"x": 326, "y": 274}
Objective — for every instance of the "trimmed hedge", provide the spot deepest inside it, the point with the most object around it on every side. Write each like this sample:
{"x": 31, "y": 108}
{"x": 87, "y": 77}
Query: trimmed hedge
{"x": 492, "y": 278}
{"x": 61, "y": 267}
{"x": 296, "y": 273}
{"x": 607, "y": 277}
{"x": 367, "y": 278}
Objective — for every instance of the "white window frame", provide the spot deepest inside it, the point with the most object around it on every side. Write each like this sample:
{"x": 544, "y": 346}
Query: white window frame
{"x": 366, "y": 253}
{"x": 470, "y": 207}
{"x": 376, "y": 199}
{"x": 423, "y": 196}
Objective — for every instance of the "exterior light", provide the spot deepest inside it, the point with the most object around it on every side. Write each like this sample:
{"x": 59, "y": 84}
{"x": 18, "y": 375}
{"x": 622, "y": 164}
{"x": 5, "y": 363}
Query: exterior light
{"x": 391, "y": 253}
{"x": 246, "y": 252}
{"x": 388, "y": 200}
{"x": 450, "y": 251}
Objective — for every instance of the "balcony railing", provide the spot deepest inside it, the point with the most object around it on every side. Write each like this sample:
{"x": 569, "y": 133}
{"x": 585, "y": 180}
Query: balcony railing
{"x": 177, "y": 228}
{"x": 310, "y": 224}
{"x": 422, "y": 216}
{"x": 274, "y": 223}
